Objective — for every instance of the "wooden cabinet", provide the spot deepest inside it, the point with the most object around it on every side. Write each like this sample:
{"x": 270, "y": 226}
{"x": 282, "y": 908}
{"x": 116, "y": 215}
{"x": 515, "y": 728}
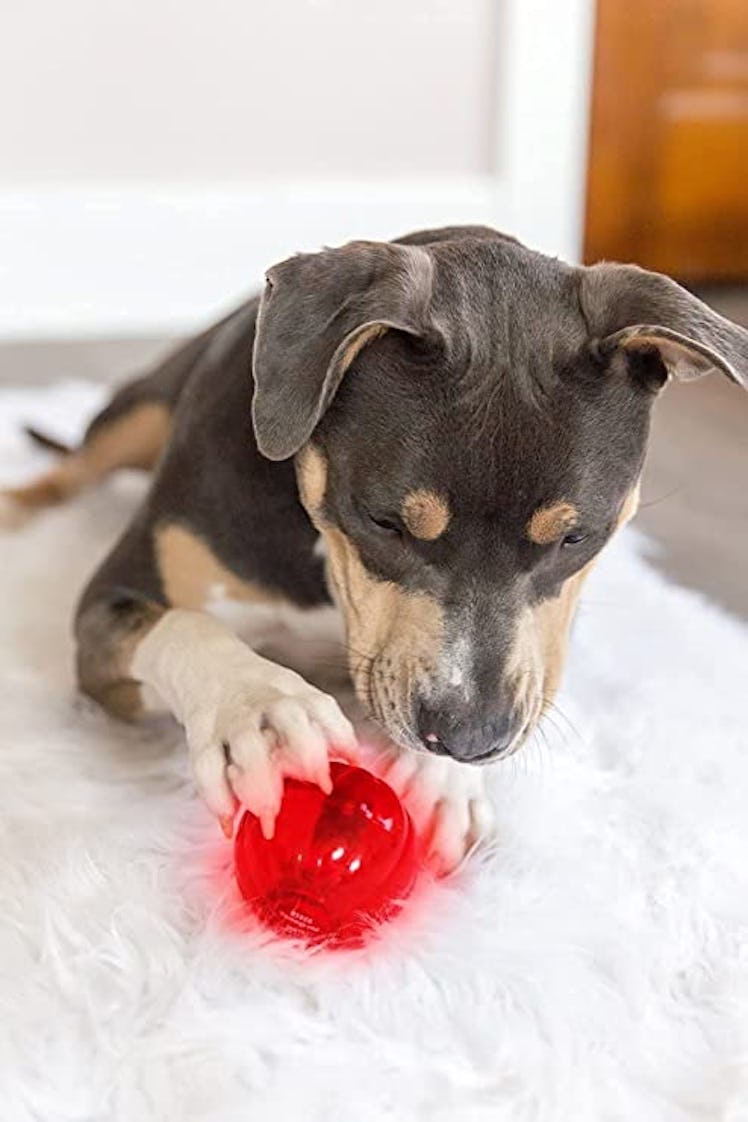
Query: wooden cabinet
{"x": 668, "y": 164}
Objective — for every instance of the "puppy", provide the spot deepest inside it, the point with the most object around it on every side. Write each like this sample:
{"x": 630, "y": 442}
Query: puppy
{"x": 435, "y": 435}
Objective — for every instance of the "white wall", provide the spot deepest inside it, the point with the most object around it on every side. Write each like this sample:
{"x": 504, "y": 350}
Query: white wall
{"x": 206, "y": 90}
{"x": 157, "y": 155}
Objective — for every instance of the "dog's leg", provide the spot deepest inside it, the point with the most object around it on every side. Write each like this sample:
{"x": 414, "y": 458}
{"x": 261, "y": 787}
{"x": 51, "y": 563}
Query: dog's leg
{"x": 248, "y": 722}
{"x": 134, "y": 439}
{"x": 132, "y": 431}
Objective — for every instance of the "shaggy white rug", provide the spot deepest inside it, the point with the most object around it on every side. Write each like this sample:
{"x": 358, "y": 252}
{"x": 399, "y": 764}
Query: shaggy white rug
{"x": 593, "y": 966}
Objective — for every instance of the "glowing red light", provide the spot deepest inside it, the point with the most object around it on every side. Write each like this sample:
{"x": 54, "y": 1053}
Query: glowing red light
{"x": 337, "y": 865}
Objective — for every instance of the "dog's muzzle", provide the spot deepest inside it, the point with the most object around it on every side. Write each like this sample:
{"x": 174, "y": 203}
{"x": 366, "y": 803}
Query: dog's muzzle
{"x": 456, "y": 730}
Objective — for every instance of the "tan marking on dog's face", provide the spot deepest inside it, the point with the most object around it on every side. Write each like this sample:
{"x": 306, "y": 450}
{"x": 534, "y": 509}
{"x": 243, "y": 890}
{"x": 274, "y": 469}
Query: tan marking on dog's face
{"x": 549, "y": 523}
{"x": 394, "y": 637}
{"x": 539, "y": 653}
{"x": 553, "y": 620}
{"x": 426, "y": 514}
{"x": 543, "y": 632}
{"x": 630, "y": 505}
{"x": 311, "y": 476}
{"x": 134, "y": 440}
{"x": 191, "y": 573}
{"x": 359, "y": 341}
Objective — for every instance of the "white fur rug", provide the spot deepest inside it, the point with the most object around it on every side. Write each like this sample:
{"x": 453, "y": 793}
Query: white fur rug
{"x": 594, "y": 966}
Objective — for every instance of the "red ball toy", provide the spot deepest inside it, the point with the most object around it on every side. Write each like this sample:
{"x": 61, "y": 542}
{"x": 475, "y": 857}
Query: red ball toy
{"x": 337, "y": 865}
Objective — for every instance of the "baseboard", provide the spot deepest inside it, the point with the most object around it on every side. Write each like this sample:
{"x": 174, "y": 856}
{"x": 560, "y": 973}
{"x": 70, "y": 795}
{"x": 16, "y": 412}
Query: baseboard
{"x": 160, "y": 259}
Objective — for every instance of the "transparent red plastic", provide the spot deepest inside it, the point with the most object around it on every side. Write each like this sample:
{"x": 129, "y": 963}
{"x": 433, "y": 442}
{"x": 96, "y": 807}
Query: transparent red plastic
{"x": 338, "y": 864}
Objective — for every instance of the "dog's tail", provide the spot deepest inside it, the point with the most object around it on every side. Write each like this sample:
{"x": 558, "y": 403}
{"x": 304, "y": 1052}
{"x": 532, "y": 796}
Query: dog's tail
{"x": 127, "y": 434}
{"x": 45, "y": 441}
{"x": 132, "y": 431}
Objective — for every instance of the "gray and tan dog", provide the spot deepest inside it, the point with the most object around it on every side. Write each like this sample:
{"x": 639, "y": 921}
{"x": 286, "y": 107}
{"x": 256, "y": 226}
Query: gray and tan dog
{"x": 442, "y": 434}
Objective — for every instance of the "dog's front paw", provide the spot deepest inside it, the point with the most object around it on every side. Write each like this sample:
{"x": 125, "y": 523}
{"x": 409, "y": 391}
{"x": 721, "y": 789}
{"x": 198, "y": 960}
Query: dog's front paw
{"x": 447, "y": 801}
{"x": 262, "y": 727}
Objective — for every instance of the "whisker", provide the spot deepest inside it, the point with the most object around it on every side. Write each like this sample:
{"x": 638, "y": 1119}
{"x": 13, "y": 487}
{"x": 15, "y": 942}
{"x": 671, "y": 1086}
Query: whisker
{"x": 541, "y": 745}
{"x": 552, "y": 708}
{"x": 661, "y": 498}
{"x": 558, "y": 730}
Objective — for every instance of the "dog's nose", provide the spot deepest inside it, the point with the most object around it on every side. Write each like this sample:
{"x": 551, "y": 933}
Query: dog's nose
{"x": 459, "y": 732}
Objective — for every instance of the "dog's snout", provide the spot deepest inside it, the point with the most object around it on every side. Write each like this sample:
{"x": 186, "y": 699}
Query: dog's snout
{"x": 456, "y": 730}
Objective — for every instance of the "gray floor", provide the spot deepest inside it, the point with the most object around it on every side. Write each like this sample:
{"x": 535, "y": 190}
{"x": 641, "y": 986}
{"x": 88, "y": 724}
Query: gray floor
{"x": 695, "y": 498}
{"x": 695, "y": 494}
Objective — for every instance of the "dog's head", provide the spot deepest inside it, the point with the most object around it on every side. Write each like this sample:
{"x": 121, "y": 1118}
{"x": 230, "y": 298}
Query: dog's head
{"x": 469, "y": 421}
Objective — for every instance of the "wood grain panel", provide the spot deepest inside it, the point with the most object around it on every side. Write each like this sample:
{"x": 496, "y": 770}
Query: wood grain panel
{"x": 668, "y": 167}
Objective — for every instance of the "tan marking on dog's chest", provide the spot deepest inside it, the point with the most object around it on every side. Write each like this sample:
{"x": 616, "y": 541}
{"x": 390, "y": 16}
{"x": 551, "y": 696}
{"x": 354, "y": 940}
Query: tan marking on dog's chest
{"x": 192, "y": 575}
{"x": 426, "y": 514}
{"x": 549, "y": 523}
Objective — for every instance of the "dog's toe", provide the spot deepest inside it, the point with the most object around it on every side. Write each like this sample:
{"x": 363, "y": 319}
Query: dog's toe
{"x": 448, "y": 803}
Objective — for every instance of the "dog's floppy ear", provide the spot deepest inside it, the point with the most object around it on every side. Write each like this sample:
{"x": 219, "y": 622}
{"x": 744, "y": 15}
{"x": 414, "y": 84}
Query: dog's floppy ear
{"x": 641, "y": 313}
{"x": 317, "y": 312}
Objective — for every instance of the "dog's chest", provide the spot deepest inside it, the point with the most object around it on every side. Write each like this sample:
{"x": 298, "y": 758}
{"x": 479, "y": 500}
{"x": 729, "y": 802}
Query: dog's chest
{"x": 310, "y": 640}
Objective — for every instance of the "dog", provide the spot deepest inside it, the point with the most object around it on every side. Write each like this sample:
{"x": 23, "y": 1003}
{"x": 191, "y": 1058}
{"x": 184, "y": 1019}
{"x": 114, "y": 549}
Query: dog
{"x": 432, "y": 437}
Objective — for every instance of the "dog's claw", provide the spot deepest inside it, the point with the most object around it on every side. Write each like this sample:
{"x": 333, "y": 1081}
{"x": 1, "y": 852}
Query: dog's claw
{"x": 448, "y": 803}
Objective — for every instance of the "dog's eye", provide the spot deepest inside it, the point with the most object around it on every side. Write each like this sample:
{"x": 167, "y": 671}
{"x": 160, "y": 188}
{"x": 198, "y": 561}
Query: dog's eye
{"x": 575, "y": 537}
{"x": 388, "y": 524}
